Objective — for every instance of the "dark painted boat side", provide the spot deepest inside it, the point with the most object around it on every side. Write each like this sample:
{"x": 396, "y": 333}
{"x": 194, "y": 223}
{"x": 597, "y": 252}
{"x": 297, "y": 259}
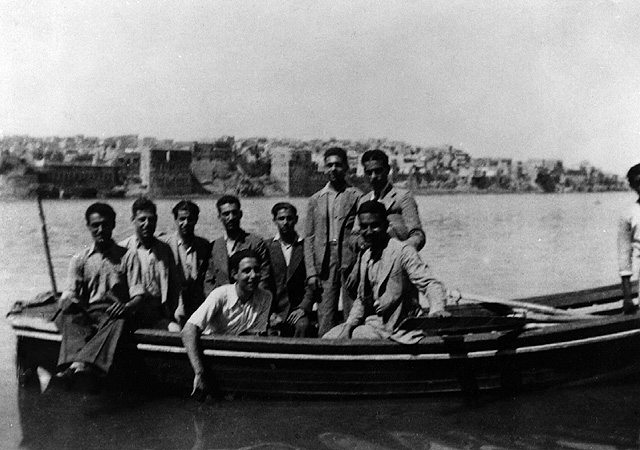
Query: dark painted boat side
{"x": 512, "y": 360}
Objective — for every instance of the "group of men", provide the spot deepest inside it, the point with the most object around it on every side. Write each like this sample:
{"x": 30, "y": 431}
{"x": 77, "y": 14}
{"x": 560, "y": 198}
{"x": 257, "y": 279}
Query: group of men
{"x": 359, "y": 251}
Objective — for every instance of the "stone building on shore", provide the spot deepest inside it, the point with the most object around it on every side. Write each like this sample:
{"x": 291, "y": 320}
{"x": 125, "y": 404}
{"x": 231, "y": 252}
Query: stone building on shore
{"x": 166, "y": 171}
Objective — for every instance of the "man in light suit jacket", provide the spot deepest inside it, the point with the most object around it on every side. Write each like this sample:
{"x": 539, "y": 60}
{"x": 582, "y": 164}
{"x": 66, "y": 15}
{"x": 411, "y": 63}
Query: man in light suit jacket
{"x": 233, "y": 240}
{"x": 161, "y": 277}
{"x": 191, "y": 254}
{"x": 328, "y": 253}
{"x": 390, "y": 273}
{"x": 292, "y": 296}
{"x": 402, "y": 210}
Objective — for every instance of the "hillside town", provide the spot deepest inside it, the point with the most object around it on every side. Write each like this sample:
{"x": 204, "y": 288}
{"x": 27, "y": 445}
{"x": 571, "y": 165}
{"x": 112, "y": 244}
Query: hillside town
{"x": 127, "y": 165}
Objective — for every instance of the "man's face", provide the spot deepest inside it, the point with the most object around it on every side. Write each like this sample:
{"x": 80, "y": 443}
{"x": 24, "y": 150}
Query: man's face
{"x": 100, "y": 228}
{"x": 186, "y": 223}
{"x": 230, "y": 215}
{"x": 373, "y": 228}
{"x": 335, "y": 169}
{"x": 248, "y": 274}
{"x": 145, "y": 223}
{"x": 377, "y": 174}
{"x": 286, "y": 221}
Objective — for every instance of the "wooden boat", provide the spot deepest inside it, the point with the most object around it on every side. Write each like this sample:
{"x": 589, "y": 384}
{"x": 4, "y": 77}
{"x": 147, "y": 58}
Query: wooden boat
{"x": 523, "y": 356}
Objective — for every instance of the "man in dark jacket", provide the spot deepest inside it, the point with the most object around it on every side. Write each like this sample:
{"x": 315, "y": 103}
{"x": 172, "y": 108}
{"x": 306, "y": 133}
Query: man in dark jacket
{"x": 292, "y": 297}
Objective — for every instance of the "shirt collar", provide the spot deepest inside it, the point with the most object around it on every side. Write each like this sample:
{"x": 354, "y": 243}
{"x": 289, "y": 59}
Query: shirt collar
{"x": 232, "y": 295}
{"x": 329, "y": 188}
{"x": 93, "y": 249}
{"x": 384, "y": 192}
{"x": 277, "y": 238}
{"x": 227, "y": 238}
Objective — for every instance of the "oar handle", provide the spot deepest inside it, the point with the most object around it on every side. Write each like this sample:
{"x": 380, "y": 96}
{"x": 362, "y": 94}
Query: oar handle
{"x": 535, "y": 307}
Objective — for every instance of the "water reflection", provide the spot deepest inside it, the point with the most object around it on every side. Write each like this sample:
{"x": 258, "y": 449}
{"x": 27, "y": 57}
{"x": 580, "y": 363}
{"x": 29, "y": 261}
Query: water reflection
{"x": 577, "y": 418}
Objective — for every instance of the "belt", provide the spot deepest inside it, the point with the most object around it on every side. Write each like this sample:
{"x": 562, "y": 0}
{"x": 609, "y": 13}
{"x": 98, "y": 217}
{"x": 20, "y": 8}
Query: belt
{"x": 332, "y": 242}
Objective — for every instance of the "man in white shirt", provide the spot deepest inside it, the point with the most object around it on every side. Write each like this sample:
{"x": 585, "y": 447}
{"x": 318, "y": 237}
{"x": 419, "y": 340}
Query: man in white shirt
{"x": 629, "y": 241}
{"x": 240, "y": 308}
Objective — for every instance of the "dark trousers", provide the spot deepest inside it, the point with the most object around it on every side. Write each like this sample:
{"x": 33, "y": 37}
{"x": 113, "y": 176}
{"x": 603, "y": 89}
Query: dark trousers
{"x": 333, "y": 282}
{"x": 90, "y": 336}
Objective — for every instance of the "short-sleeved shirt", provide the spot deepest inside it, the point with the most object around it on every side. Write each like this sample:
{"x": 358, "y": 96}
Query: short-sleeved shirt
{"x": 223, "y": 312}
{"x": 93, "y": 273}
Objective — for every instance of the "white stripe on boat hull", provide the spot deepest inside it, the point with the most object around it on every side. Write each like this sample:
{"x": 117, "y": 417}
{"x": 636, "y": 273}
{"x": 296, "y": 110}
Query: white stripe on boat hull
{"x": 368, "y": 357}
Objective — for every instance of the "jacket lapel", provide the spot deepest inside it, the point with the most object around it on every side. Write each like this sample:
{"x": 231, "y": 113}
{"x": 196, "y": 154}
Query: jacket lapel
{"x": 296, "y": 259}
{"x": 386, "y": 263}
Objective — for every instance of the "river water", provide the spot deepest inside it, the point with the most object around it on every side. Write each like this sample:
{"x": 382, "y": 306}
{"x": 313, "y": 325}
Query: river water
{"x": 502, "y": 245}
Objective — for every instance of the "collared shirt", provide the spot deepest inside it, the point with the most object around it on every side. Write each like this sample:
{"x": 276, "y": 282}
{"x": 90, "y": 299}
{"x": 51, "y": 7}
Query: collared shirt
{"x": 223, "y": 312}
{"x": 629, "y": 241}
{"x": 231, "y": 244}
{"x": 332, "y": 197}
{"x": 149, "y": 264}
{"x": 188, "y": 260}
{"x": 287, "y": 249}
{"x": 93, "y": 273}
{"x": 384, "y": 192}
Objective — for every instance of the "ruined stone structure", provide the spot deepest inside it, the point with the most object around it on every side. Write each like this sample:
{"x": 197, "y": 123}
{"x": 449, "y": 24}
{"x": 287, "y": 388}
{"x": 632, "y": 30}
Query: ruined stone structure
{"x": 166, "y": 172}
{"x": 294, "y": 171}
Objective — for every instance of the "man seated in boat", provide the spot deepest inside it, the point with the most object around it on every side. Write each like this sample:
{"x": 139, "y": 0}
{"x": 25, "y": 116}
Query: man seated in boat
{"x": 103, "y": 290}
{"x": 233, "y": 240}
{"x": 160, "y": 274}
{"x": 390, "y": 273}
{"x": 292, "y": 296}
{"x": 239, "y": 308}
{"x": 191, "y": 253}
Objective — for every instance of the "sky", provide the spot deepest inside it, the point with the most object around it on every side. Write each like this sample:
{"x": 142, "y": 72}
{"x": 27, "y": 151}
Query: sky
{"x": 516, "y": 79}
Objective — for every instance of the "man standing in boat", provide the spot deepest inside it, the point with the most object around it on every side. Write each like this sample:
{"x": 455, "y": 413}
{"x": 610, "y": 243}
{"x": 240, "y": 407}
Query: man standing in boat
{"x": 103, "y": 290}
{"x": 239, "y": 308}
{"x": 292, "y": 296}
{"x": 402, "y": 210}
{"x": 160, "y": 275}
{"x": 389, "y": 275}
{"x": 191, "y": 253}
{"x": 629, "y": 241}
{"x": 233, "y": 240}
{"x": 328, "y": 250}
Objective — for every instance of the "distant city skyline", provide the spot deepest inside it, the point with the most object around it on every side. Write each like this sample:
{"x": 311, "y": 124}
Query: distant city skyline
{"x": 514, "y": 79}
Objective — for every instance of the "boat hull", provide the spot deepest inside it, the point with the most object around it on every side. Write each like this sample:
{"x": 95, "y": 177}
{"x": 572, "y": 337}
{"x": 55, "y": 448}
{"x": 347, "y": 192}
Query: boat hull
{"x": 513, "y": 360}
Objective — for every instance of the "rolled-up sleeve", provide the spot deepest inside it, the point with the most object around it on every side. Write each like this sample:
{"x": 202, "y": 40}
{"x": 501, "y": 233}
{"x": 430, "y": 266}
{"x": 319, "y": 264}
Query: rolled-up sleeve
{"x": 134, "y": 274}
{"x": 74, "y": 278}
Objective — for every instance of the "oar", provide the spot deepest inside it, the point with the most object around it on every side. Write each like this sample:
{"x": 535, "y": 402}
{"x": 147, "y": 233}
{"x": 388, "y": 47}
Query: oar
{"x": 45, "y": 239}
{"x": 528, "y": 306}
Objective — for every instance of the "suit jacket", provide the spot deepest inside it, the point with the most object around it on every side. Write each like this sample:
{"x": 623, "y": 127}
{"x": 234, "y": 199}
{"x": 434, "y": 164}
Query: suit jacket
{"x": 401, "y": 274}
{"x": 170, "y": 275}
{"x": 289, "y": 284}
{"x": 316, "y": 236}
{"x": 195, "y": 290}
{"x": 402, "y": 213}
{"x": 218, "y": 270}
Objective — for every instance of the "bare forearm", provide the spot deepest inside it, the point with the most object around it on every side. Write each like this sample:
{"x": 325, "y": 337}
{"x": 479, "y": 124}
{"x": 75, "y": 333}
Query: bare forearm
{"x": 190, "y": 339}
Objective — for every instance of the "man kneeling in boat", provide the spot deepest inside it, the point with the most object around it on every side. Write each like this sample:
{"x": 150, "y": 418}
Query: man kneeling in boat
{"x": 240, "y": 308}
{"x": 104, "y": 288}
{"x": 390, "y": 273}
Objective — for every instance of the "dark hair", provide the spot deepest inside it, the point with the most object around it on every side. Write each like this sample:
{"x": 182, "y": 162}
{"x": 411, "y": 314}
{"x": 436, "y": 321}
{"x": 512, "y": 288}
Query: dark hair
{"x": 225, "y": 199}
{"x": 185, "y": 205}
{"x": 337, "y": 151}
{"x": 375, "y": 155}
{"x": 283, "y": 205}
{"x": 373, "y": 207}
{"x": 632, "y": 173}
{"x": 234, "y": 260}
{"x": 143, "y": 204}
{"x": 103, "y": 209}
